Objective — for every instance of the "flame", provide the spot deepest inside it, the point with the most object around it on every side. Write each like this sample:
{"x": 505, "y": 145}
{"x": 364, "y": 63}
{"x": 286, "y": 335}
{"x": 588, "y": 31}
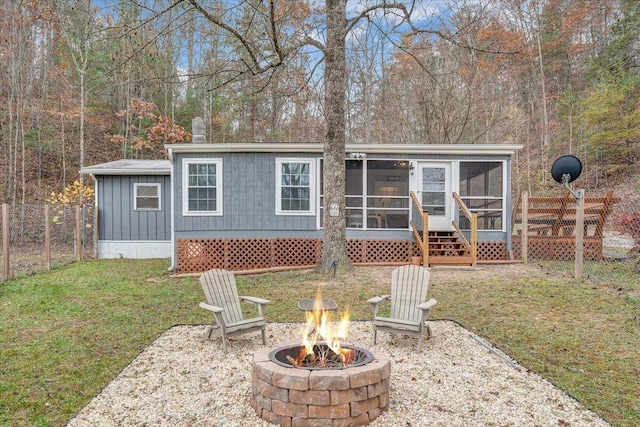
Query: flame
{"x": 320, "y": 327}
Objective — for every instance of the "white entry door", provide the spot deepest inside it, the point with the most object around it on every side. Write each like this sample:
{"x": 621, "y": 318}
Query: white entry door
{"x": 434, "y": 192}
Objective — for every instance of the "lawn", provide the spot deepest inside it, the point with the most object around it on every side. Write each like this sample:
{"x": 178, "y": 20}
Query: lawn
{"x": 66, "y": 333}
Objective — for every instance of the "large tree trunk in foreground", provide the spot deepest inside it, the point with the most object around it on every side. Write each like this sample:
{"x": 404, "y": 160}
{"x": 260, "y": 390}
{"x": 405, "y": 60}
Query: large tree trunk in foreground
{"x": 334, "y": 233}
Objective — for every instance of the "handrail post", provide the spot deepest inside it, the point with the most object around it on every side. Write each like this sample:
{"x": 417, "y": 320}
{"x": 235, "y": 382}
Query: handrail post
{"x": 425, "y": 238}
{"x": 579, "y": 234}
{"x": 474, "y": 238}
{"x": 473, "y": 220}
{"x": 525, "y": 227}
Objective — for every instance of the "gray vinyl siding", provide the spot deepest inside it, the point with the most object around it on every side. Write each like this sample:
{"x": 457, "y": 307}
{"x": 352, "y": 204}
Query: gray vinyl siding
{"x": 117, "y": 220}
{"x": 249, "y": 188}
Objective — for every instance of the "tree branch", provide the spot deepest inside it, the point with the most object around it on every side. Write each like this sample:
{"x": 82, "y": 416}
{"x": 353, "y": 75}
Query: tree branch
{"x": 247, "y": 47}
{"x": 407, "y": 19}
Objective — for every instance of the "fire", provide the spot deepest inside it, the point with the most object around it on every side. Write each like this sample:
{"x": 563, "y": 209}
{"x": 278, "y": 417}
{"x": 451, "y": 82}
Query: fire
{"x": 319, "y": 327}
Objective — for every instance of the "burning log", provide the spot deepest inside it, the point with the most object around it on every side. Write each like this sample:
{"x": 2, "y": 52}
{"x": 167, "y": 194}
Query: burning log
{"x": 321, "y": 357}
{"x": 319, "y": 327}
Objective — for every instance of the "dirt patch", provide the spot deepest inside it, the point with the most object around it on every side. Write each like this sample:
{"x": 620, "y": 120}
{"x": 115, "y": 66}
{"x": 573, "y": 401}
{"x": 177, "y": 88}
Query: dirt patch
{"x": 441, "y": 274}
{"x": 486, "y": 271}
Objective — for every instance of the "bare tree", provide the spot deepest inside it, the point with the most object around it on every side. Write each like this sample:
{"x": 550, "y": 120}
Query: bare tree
{"x": 77, "y": 28}
{"x": 262, "y": 37}
{"x": 334, "y": 233}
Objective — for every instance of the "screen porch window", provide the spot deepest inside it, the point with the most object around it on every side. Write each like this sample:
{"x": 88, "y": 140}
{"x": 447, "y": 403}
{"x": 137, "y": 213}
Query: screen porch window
{"x": 203, "y": 192}
{"x": 295, "y": 187}
{"x": 482, "y": 190}
{"x": 146, "y": 197}
{"x": 376, "y": 194}
{"x": 354, "y": 194}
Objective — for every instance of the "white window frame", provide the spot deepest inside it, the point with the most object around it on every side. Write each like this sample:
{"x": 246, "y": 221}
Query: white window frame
{"x": 312, "y": 185}
{"x": 137, "y": 185}
{"x": 185, "y": 186}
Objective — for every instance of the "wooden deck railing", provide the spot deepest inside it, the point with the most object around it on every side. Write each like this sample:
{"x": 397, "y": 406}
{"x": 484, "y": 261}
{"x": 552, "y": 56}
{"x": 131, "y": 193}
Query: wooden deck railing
{"x": 548, "y": 227}
{"x": 556, "y": 216}
{"x": 423, "y": 241}
{"x": 472, "y": 217}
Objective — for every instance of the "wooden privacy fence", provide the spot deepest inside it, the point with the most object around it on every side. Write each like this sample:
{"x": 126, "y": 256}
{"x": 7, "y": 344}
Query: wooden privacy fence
{"x": 545, "y": 227}
{"x": 40, "y": 233}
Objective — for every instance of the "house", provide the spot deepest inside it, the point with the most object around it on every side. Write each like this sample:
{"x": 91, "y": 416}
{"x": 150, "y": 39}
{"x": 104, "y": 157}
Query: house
{"x": 260, "y": 205}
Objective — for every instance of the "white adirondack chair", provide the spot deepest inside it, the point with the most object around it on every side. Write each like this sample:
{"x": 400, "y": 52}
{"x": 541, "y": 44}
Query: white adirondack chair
{"x": 409, "y": 305}
{"x": 223, "y": 301}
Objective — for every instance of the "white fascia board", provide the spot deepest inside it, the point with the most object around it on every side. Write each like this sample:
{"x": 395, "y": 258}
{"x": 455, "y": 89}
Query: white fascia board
{"x": 430, "y": 149}
{"x": 424, "y": 149}
{"x": 99, "y": 172}
{"x": 247, "y": 147}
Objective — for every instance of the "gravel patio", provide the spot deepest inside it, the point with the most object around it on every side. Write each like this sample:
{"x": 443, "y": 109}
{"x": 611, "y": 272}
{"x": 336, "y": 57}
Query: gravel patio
{"x": 457, "y": 380}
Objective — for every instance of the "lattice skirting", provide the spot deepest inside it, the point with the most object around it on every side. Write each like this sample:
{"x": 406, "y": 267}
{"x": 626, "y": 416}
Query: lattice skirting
{"x": 558, "y": 248}
{"x": 492, "y": 251}
{"x": 198, "y": 255}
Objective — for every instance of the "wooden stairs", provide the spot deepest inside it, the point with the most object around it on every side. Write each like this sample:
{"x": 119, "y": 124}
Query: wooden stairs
{"x": 446, "y": 248}
{"x": 439, "y": 247}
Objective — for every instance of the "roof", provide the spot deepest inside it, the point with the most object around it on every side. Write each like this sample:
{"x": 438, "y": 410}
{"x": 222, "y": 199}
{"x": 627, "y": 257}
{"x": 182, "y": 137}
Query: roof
{"x": 305, "y": 147}
{"x": 130, "y": 167}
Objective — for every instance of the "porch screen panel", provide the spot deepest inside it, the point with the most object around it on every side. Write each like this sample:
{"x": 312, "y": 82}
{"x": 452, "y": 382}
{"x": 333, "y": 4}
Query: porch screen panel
{"x": 353, "y": 191}
{"x": 387, "y": 201}
{"x": 481, "y": 188}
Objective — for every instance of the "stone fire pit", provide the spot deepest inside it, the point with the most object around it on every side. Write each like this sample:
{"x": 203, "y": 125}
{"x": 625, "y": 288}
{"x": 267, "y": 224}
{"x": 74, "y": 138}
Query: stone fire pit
{"x": 296, "y": 397}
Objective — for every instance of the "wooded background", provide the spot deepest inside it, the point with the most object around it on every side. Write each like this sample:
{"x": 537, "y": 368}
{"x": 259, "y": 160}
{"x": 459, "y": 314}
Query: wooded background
{"x": 84, "y": 82}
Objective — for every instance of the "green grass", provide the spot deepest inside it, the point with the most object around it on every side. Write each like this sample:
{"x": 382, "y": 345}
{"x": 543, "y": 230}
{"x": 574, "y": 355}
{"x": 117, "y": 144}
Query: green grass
{"x": 64, "y": 335}
{"x": 582, "y": 335}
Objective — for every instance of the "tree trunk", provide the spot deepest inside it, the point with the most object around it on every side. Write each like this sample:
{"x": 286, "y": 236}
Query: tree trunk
{"x": 83, "y": 95}
{"x": 334, "y": 233}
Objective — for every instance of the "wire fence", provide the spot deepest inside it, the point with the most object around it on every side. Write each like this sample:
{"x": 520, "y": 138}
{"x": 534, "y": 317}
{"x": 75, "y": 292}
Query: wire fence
{"x": 37, "y": 237}
{"x": 551, "y": 218}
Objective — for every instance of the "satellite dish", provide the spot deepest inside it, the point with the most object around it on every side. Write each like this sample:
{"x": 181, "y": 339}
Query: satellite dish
{"x": 566, "y": 169}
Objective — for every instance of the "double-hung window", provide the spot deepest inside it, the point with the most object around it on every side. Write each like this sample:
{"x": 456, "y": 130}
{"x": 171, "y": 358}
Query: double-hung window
{"x": 295, "y": 186}
{"x": 146, "y": 196}
{"x": 202, "y": 192}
